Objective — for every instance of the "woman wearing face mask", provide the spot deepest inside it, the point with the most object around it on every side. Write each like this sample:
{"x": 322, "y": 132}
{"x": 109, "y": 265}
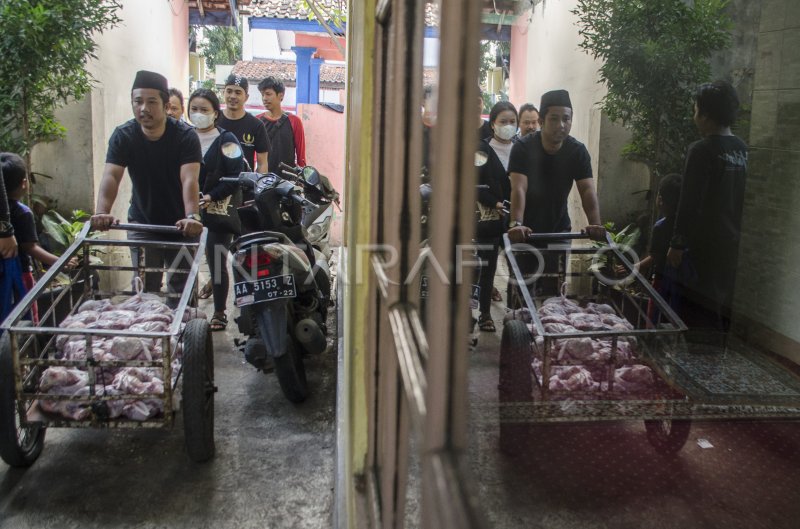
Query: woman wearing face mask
{"x": 492, "y": 162}
{"x": 219, "y": 215}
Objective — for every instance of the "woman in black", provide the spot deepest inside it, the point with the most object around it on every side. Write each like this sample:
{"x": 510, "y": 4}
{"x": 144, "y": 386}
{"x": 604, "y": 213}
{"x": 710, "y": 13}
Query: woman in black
{"x": 495, "y": 188}
{"x": 215, "y": 201}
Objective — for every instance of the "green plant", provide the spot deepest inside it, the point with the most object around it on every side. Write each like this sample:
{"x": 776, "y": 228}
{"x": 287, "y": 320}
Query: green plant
{"x": 56, "y": 233}
{"x": 625, "y": 239}
{"x": 654, "y": 54}
{"x": 222, "y": 45}
{"x": 44, "y": 46}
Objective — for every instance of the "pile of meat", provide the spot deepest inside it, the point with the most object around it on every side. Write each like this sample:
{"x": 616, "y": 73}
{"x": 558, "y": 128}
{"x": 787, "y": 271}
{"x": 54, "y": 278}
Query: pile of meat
{"x": 141, "y": 312}
{"x": 582, "y": 363}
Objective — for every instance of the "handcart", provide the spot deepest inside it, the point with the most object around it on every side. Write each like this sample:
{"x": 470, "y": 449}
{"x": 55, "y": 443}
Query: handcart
{"x": 27, "y": 349}
{"x": 689, "y": 380}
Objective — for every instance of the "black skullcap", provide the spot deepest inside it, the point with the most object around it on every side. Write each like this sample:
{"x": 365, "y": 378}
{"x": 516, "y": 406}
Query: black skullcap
{"x": 145, "y": 79}
{"x": 237, "y": 80}
{"x": 554, "y": 98}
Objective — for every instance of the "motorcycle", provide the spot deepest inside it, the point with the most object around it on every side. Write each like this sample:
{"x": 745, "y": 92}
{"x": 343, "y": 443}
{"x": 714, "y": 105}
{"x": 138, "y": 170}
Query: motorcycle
{"x": 281, "y": 285}
{"x": 319, "y": 190}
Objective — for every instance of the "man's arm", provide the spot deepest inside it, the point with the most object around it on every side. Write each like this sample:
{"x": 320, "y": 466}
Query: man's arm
{"x": 261, "y": 162}
{"x": 519, "y": 188}
{"x": 190, "y": 174}
{"x": 299, "y": 141}
{"x": 589, "y": 201}
{"x": 109, "y": 186}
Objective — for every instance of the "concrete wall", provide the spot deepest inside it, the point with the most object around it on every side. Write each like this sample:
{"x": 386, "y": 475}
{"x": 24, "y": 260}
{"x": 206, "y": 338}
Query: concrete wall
{"x": 769, "y": 279}
{"x": 325, "y": 149}
{"x": 554, "y": 61}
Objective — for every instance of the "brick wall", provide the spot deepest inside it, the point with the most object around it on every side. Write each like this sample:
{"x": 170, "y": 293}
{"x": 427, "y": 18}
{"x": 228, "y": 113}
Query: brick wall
{"x": 768, "y": 292}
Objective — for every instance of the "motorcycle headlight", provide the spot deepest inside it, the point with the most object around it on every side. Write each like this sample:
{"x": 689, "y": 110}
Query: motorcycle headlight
{"x": 314, "y": 232}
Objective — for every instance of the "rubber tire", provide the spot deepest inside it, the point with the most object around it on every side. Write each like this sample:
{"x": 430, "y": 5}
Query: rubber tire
{"x": 14, "y": 453}
{"x": 291, "y": 373}
{"x": 198, "y": 390}
{"x": 516, "y": 382}
{"x": 668, "y": 436}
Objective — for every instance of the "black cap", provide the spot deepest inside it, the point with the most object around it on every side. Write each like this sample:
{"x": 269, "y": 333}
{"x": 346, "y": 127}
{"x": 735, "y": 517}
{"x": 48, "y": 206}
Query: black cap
{"x": 237, "y": 80}
{"x": 554, "y": 98}
{"x": 145, "y": 79}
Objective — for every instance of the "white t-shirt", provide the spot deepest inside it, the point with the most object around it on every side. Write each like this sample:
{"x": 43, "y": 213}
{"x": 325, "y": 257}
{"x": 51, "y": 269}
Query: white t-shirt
{"x": 503, "y": 151}
{"x": 208, "y": 137}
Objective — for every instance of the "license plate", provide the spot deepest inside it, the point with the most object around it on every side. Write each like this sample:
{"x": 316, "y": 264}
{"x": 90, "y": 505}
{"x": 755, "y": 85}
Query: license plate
{"x": 265, "y": 289}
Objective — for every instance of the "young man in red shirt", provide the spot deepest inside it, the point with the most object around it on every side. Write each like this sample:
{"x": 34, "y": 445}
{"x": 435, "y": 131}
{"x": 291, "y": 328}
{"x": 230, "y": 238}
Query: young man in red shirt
{"x": 285, "y": 131}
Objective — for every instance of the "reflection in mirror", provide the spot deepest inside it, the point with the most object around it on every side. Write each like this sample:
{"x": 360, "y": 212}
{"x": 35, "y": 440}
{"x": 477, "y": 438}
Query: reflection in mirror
{"x": 231, "y": 150}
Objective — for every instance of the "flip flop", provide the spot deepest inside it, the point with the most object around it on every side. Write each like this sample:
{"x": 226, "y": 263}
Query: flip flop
{"x": 218, "y": 321}
{"x": 206, "y": 291}
{"x": 486, "y": 324}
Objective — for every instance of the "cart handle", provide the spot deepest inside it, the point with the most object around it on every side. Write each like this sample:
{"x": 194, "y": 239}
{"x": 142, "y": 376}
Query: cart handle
{"x": 556, "y": 236}
{"x": 150, "y": 228}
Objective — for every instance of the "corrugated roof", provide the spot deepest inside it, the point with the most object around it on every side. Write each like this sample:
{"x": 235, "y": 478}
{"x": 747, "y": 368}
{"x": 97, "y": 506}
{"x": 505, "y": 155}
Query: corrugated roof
{"x": 294, "y": 10}
{"x": 286, "y": 70}
{"x": 330, "y": 75}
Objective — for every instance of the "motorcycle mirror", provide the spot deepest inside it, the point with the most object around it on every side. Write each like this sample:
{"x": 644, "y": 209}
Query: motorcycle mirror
{"x": 311, "y": 175}
{"x": 231, "y": 150}
{"x": 481, "y": 158}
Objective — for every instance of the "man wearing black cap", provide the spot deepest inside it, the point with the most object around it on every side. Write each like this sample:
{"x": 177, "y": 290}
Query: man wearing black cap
{"x": 248, "y": 129}
{"x": 543, "y": 165}
{"x": 163, "y": 160}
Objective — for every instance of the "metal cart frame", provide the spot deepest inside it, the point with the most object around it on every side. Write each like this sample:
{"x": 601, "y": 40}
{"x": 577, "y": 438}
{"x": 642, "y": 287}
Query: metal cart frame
{"x": 667, "y": 408}
{"x": 26, "y": 350}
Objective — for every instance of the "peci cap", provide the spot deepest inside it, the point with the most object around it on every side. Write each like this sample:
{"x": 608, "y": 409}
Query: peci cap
{"x": 554, "y": 98}
{"x": 237, "y": 80}
{"x": 145, "y": 79}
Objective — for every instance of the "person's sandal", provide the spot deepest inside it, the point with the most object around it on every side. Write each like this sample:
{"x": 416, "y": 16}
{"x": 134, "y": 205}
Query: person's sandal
{"x": 486, "y": 324}
{"x": 218, "y": 321}
{"x": 206, "y": 291}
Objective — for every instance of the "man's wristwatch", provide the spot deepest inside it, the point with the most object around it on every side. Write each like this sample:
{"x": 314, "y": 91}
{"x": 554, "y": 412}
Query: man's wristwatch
{"x": 5, "y": 227}
{"x": 514, "y": 224}
{"x": 194, "y": 216}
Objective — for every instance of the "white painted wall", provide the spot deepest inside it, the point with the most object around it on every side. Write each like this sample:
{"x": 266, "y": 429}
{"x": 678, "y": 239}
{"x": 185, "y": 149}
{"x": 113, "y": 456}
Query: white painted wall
{"x": 555, "y": 61}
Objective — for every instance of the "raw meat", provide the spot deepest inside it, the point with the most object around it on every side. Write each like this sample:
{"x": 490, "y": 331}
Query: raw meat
{"x": 96, "y": 305}
{"x": 633, "y": 378}
{"x": 571, "y": 378}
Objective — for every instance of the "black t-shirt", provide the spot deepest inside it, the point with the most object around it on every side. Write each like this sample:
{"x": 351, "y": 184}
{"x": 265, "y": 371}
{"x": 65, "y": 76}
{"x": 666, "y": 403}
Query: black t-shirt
{"x": 250, "y": 132}
{"x": 155, "y": 168}
{"x": 709, "y": 216}
{"x": 24, "y": 229}
{"x": 550, "y": 178}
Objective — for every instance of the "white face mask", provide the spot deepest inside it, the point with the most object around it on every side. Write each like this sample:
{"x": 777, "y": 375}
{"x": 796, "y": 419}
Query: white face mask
{"x": 506, "y": 132}
{"x": 202, "y": 121}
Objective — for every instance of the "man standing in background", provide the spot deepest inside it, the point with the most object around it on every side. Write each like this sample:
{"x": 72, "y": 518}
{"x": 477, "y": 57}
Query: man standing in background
{"x": 528, "y": 120}
{"x": 285, "y": 131}
{"x": 247, "y": 128}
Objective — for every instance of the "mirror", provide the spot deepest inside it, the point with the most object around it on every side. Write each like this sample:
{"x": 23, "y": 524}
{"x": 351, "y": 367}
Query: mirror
{"x": 311, "y": 175}
{"x": 231, "y": 150}
{"x": 481, "y": 158}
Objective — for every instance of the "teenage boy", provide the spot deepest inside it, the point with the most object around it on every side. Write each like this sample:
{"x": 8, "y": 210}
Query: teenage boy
{"x": 285, "y": 131}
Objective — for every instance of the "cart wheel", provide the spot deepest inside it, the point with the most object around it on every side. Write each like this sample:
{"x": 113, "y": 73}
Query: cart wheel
{"x": 198, "y": 390}
{"x": 291, "y": 373}
{"x": 667, "y": 436}
{"x": 19, "y": 446}
{"x": 516, "y": 385}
